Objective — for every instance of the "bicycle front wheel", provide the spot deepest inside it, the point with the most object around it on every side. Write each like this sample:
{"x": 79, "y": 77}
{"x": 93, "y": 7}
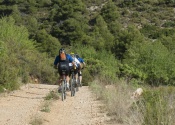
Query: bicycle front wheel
{"x": 72, "y": 88}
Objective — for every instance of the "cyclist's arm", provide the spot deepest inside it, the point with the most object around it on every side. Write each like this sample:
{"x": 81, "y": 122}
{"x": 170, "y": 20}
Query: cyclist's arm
{"x": 77, "y": 61}
{"x": 56, "y": 62}
{"x": 82, "y": 61}
{"x": 71, "y": 60}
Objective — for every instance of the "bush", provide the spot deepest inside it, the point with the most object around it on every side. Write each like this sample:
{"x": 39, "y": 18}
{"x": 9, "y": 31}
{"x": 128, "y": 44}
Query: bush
{"x": 101, "y": 64}
{"x": 158, "y": 106}
{"x": 19, "y": 57}
{"x": 86, "y": 77}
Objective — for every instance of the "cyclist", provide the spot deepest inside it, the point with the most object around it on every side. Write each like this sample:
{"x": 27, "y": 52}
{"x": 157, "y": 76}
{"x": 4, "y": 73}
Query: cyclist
{"x": 62, "y": 62}
{"x": 82, "y": 65}
{"x": 77, "y": 64}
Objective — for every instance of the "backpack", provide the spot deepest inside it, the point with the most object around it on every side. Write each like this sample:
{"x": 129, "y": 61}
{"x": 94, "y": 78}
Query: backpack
{"x": 63, "y": 56}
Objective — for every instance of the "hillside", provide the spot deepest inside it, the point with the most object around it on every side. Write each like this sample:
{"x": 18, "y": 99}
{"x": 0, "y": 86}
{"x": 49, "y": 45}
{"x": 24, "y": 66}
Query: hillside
{"x": 126, "y": 44}
{"x": 129, "y": 31}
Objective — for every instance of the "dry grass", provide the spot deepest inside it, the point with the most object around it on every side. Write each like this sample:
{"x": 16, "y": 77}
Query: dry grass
{"x": 142, "y": 111}
{"x": 36, "y": 121}
{"x": 46, "y": 106}
{"x": 53, "y": 95}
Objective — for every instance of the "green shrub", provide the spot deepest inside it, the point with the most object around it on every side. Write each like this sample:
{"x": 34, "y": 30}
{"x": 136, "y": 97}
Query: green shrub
{"x": 159, "y": 106}
{"x": 169, "y": 24}
{"x": 19, "y": 57}
{"x": 101, "y": 64}
{"x": 86, "y": 77}
{"x": 1, "y": 89}
{"x": 52, "y": 95}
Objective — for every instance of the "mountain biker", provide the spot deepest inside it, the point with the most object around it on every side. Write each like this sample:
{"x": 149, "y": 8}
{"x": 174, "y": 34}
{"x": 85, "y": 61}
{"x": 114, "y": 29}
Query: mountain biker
{"x": 82, "y": 65}
{"x": 77, "y": 64}
{"x": 62, "y": 62}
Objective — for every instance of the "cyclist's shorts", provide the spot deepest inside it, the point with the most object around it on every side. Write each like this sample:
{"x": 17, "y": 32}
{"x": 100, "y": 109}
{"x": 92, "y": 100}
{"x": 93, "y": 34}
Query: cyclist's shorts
{"x": 63, "y": 68}
{"x": 76, "y": 70}
{"x": 79, "y": 73}
{"x": 78, "y": 67}
{"x": 72, "y": 70}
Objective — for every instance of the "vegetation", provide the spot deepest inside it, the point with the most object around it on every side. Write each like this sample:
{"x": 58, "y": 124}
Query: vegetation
{"x": 154, "y": 107}
{"x": 52, "y": 95}
{"x": 19, "y": 58}
{"x": 36, "y": 120}
{"x": 139, "y": 35}
{"x": 130, "y": 40}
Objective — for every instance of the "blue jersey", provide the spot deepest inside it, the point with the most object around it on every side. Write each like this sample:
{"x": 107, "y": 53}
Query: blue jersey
{"x": 68, "y": 58}
{"x": 81, "y": 60}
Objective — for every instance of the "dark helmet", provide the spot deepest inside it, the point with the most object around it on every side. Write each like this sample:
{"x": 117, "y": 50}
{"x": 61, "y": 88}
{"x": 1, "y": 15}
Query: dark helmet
{"x": 77, "y": 56}
{"x": 62, "y": 50}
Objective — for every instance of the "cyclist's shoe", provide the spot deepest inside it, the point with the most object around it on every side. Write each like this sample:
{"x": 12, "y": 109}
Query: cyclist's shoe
{"x": 59, "y": 89}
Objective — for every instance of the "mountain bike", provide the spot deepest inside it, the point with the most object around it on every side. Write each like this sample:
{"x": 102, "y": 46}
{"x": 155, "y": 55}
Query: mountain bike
{"x": 73, "y": 82}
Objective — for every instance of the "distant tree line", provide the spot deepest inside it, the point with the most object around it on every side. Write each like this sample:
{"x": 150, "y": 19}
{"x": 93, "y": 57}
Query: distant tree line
{"x": 136, "y": 36}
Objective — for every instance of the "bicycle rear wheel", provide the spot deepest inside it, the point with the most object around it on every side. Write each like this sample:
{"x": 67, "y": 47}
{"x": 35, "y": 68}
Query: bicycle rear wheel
{"x": 63, "y": 90}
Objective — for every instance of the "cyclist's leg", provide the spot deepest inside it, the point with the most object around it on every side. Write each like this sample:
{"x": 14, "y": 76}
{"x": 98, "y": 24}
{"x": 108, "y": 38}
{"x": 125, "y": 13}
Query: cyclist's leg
{"x": 78, "y": 71}
{"x": 59, "y": 83}
{"x": 80, "y": 76}
{"x": 76, "y": 76}
{"x": 67, "y": 79}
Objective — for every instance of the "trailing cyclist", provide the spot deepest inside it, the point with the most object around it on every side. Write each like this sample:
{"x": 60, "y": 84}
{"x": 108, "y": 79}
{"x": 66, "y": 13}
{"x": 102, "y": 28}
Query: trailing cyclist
{"x": 82, "y": 66}
{"x": 62, "y": 62}
{"x": 77, "y": 64}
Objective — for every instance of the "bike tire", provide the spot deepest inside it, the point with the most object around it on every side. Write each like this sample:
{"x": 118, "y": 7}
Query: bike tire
{"x": 72, "y": 88}
{"x": 77, "y": 86}
{"x": 65, "y": 89}
{"x": 62, "y": 91}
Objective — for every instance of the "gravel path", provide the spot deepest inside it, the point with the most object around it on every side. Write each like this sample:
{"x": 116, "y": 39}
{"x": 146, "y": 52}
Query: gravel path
{"x": 82, "y": 109}
{"x": 18, "y": 107}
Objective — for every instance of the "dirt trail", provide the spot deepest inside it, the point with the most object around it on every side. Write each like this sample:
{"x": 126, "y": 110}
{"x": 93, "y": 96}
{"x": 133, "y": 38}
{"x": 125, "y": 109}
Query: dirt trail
{"x": 82, "y": 109}
{"x": 17, "y": 108}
